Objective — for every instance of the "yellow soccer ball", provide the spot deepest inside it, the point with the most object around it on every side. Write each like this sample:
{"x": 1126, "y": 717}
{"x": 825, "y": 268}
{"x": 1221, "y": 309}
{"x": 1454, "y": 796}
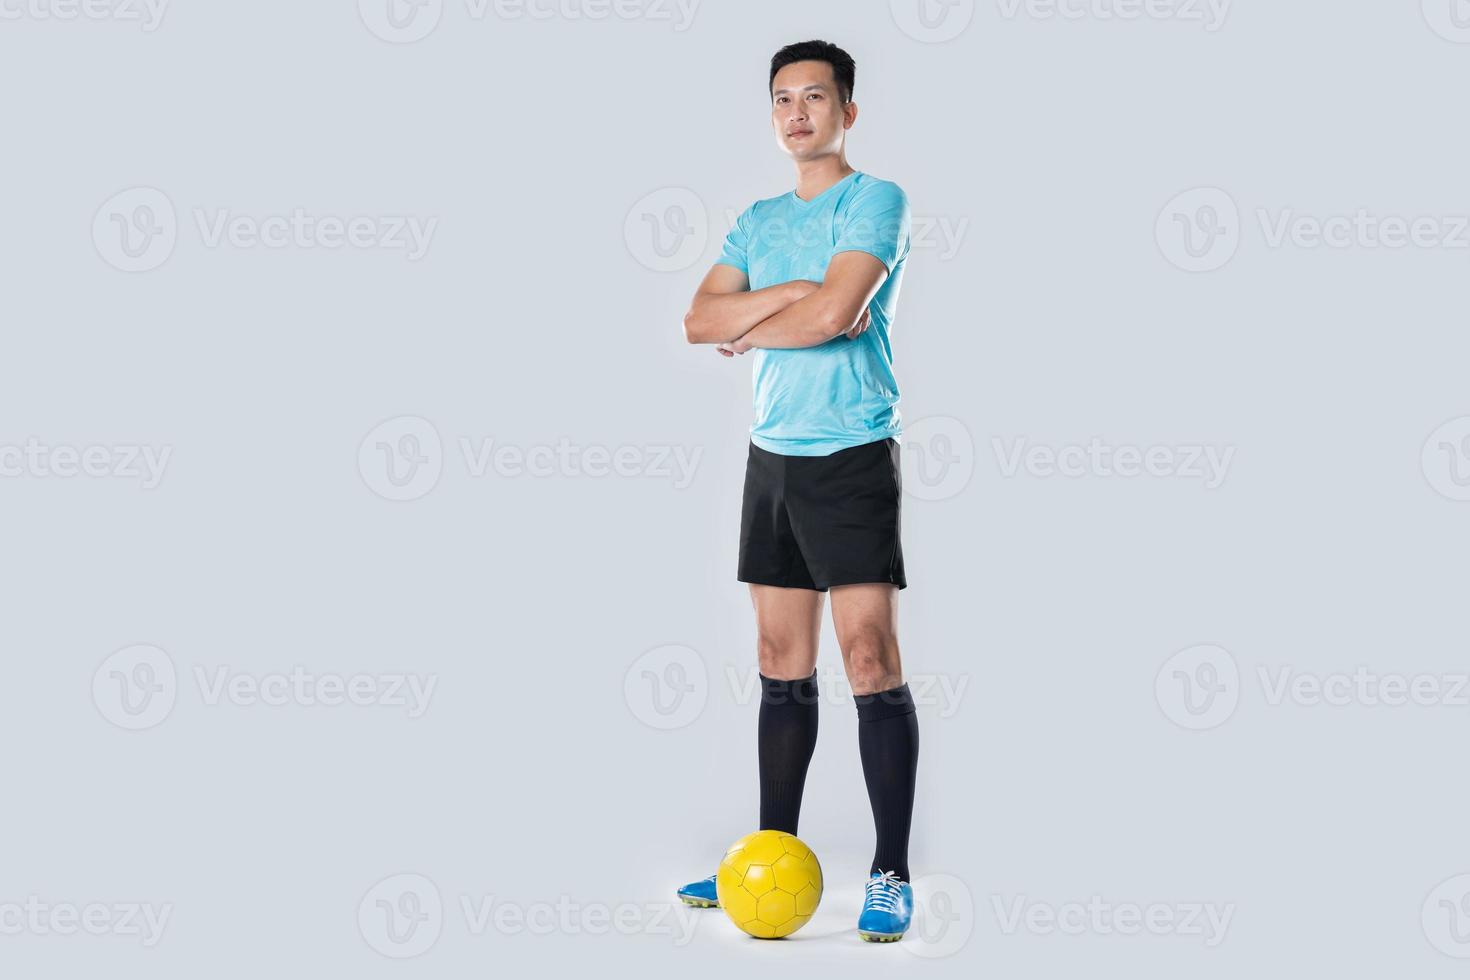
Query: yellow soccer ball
{"x": 769, "y": 883}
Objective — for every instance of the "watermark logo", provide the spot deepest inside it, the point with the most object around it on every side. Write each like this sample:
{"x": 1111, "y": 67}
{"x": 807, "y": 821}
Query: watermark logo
{"x": 944, "y": 917}
{"x": 1446, "y": 459}
{"x": 401, "y": 21}
{"x": 1198, "y": 688}
{"x": 136, "y": 687}
{"x": 1199, "y": 230}
{"x": 402, "y": 458}
{"x": 932, "y": 21}
{"x": 667, "y": 687}
{"x": 1446, "y": 917}
{"x": 938, "y": 457}
{"x": 667, "y": 230}
{"x": 136, "y": 230}
{"x": 401, "y": 916}
{"x": 1450, "y": 19}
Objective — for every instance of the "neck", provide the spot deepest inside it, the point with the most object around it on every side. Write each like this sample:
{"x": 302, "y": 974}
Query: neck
{"x": 815, "y": 176}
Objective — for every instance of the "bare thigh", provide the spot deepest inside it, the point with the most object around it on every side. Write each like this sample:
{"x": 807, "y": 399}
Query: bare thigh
{"x": 865, "y": 618}
{"x": 788, "y": 623}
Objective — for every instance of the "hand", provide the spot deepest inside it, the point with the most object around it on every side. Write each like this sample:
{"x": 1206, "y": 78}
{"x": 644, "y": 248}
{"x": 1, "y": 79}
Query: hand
{"x": 859, "y": 327}
{"x": 733, "y": 347}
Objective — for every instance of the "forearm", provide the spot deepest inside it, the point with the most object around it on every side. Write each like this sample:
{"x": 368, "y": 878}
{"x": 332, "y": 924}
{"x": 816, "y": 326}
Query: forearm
{"x": 718, "y": 318}
{"x": 809, "y": 322}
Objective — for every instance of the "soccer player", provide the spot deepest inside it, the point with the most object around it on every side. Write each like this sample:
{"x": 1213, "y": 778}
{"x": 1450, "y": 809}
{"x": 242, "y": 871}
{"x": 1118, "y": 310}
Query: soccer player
{"x": 807, "y": 283}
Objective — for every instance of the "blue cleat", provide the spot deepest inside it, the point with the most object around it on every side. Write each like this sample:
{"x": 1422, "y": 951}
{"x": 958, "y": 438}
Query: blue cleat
{"x": 887, "y": 909}
{"x": 701, "y": 893}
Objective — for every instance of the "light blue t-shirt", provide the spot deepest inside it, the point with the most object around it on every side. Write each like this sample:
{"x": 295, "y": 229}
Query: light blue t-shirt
{"x": 817, "y": 400}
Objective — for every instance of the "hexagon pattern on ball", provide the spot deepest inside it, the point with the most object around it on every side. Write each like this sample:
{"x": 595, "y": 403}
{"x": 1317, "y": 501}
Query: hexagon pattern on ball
{"x": 769, "y": 884}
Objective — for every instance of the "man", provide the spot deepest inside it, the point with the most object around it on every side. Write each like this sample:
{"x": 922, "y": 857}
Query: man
{"x": 808, "y": 283}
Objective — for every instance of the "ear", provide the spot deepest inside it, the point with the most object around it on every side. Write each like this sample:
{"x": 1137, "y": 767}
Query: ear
{"x": 849, "y": 115}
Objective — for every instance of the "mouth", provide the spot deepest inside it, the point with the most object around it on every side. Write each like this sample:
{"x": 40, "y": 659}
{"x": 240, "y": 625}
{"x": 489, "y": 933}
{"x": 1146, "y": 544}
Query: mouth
{"x": 797, "y": 134}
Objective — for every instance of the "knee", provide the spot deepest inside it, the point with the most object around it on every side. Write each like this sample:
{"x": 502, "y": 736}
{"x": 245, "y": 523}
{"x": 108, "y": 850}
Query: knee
{"x": 782, "y": 659}
{"x": 872, "y": 661}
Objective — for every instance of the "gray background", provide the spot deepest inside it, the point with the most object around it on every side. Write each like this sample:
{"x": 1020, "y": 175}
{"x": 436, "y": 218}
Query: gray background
{"x": 545, "y": 311}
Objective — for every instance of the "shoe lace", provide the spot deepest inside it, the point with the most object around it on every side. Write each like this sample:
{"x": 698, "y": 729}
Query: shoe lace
{"x": 884, "y": 892}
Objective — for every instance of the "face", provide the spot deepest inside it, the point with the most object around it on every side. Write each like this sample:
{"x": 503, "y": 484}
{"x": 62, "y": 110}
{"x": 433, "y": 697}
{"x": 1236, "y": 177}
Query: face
{"x": 807, "y": 112}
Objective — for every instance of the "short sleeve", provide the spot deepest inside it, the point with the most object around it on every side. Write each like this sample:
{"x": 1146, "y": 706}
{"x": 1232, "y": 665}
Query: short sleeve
{"x": 877, "y": 221}
{"x": 733, "y": 251}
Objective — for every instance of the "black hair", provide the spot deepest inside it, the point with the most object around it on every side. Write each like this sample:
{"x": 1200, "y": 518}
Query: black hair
{"x": 844, "y": 69}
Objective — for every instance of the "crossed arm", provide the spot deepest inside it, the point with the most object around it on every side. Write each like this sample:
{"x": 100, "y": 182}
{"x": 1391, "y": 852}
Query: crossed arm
{"x": 800, "y": 313}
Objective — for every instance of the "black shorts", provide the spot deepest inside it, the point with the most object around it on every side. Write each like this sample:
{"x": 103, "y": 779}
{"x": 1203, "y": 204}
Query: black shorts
{"x": 812, "y": 522}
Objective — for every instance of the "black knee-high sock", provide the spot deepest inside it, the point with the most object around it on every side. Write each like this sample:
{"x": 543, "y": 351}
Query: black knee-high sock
{"x": 787, "y": 735}
{"x": 888, "y": 740}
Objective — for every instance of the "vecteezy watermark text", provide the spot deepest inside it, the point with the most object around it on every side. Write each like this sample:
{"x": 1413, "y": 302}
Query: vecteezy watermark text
{"x": 1363, "y": 229}
{"x": 404, "y": 915}
{"x": 1207, "y": 921}
{"x": 138, "y": 229}
{"x": 1363, "y": 686}
{"x": 1200, "y": 230}
{"x": 1208, "y": 464}
{"x": 403, "y": 458}
{"x": 1200, "y": 687}
{"x": 407, "y": 21}
{"x": 148, "y": 14}
{"x": 36, "y": 459}
{"x": 1209, "y": 13}
{"x": 137, "y": 687}
{"x": 36, "y": 917}
{"x": 941, "y": 692}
